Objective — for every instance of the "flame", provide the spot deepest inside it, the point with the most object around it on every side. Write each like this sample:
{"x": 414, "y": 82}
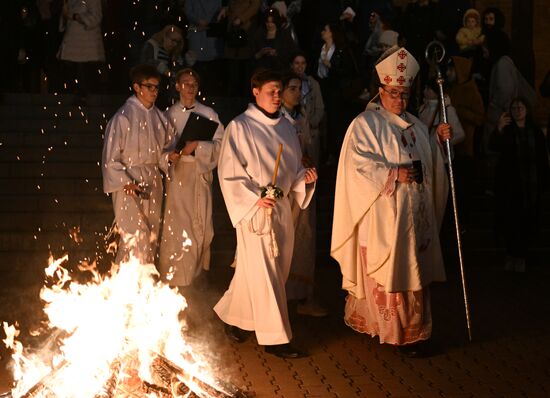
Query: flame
{"x": 114, "y": 328}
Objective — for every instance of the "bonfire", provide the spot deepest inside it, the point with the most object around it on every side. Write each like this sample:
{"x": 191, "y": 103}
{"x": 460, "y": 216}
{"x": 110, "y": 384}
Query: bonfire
{"x": 117, "y": 335}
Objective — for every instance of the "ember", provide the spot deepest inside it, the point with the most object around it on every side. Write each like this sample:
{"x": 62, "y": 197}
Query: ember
{"x": 116, "y": 336}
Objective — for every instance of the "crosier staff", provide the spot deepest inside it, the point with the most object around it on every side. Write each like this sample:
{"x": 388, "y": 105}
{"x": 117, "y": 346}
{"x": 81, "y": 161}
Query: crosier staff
{"x": 435, "y": 52}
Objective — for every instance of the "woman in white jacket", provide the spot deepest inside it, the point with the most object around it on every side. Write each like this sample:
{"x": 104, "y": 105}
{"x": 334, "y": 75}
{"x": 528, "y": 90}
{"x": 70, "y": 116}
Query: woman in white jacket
{"x": 82, "y": 45}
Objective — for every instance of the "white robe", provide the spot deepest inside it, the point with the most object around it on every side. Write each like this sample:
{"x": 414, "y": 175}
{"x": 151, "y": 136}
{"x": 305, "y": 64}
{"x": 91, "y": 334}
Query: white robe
{"x": 188, "y": 207}
{"x": 398, "y": 223}
{"x": 256, "y": 298}
{"x": 135, "y": 149}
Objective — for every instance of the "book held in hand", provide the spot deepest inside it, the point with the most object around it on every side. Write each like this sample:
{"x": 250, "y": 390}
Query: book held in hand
{"x": 197, "y": 128}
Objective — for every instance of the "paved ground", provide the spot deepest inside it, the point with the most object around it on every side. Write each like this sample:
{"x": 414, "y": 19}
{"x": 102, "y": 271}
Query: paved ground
{"x": 508, "y": 358}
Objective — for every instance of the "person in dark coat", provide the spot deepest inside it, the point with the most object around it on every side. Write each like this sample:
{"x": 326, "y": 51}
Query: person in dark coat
{"x": 522, "y": 174}
{"x": 272, "y": 44}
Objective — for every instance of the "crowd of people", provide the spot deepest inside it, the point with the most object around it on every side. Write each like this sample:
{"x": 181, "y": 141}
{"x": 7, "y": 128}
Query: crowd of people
{"x": 310, "y": 68}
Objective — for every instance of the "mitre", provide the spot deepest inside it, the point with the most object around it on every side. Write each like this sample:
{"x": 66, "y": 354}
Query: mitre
{"x": 399, "y": 68}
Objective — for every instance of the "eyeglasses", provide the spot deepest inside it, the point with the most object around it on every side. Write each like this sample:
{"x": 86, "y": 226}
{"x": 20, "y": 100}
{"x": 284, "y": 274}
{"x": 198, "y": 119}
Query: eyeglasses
{"x": 150, "y": 87}
{"x": 394, "y": 94}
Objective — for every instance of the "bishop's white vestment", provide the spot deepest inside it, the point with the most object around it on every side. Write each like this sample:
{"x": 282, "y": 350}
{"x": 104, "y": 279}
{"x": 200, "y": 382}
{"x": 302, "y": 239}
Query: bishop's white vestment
{"x": 135, "y": 149}
{"x": 256, "y": 298}
{"x": 188, "y": 207}
{"x": 386, "y": 234}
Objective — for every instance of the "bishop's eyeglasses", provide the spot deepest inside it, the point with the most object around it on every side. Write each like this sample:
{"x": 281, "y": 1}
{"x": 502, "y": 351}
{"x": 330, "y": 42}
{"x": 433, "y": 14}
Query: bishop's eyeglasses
{"x": 394, "y": 94}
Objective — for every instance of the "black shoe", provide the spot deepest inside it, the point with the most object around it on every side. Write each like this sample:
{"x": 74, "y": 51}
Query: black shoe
{"x": 415, "y": 350}
{"x": 286, "y": 351}
{"x": 234, "y": 333}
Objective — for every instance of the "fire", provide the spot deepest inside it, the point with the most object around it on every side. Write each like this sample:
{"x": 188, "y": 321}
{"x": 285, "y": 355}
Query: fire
{"x": 118, "y": 335}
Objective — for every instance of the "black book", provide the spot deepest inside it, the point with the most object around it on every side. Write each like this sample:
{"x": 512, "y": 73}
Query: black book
{"x": 197, "y": 128}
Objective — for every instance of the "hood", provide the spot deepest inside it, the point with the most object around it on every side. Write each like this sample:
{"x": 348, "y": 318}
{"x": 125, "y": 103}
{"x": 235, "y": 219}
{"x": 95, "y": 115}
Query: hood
{"x": 463, "y": 67}
{"x": 472, "y": 12}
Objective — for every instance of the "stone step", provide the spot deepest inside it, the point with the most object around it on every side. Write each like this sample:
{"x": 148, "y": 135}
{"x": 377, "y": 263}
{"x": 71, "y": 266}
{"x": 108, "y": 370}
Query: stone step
{"x": 59, "y": 153}
{"x": 44, "y": 222}
{"x": 12, "y": 128}
{"x": 57, "y": 112}
{"x": 54, "y": 99}
{"x": 92, "y": 221}
{"x": 50, "y": 170}
{"x": 52, "y": 140}
{"x": 15, "y": 243}
{"x": 53, "y": 186}
{"x": 55, "y": 203}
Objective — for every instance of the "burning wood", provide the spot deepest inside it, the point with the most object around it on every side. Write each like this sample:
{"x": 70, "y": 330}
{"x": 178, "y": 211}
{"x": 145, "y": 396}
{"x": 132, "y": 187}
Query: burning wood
{"x": 39, "y": 388}
{"x": 117, "y": 336}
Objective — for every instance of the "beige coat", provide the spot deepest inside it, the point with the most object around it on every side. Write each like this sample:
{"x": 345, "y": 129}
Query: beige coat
{"x": 246, "y": 11}
{"x": 82, "y": 41}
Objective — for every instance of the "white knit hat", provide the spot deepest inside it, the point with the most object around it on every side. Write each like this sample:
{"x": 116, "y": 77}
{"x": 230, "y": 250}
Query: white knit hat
{"x": 399, "y": 68}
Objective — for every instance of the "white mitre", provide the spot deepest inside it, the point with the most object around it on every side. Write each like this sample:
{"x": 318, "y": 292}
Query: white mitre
{"x": 399, "y": 68}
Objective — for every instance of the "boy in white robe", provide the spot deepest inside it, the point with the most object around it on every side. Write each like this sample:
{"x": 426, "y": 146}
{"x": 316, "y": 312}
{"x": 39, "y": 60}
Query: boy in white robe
{"x": 134, "y": 151}
{"x": 188, "y": 207}
{"x": 256, "y": 298}
{"x": 387, "y": 213}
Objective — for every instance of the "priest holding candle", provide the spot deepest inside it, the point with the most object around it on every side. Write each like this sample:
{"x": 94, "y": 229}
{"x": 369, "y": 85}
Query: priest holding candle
{"x": 259, "y": 165}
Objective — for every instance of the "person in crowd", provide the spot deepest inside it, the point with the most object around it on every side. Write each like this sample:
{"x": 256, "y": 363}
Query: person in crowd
{"x": 82, "y": 45}
{"x": 505, "y": 82}
{"x": 492, "y": 28}
{"x": 522, "y": 175}
{"x": 544, "y": 90}
{"x": 311, "y": 102}
{"x": 49, "y": 38}
{"x": 164, "y": 50}
{"x": 204, "y": 39}
{"x": 391, "y": 192}
{"x": 188, "y": 204}
{"x": 470, "y": 37}
{"x": 418, "y": 25}
{"x": 135, "y": 150}
{"x": 430, "y": 112}
{"x": 372, "y": 46}
{"x": 301, "y": 279}
{"x": 492, "y": 19}
{"x": 261, "y": 215}
{"x": 467, "y": 101}
{"x": 28, "y": 71}
{"x": 241, "y": 23}
{"x": 337, "y": 70}
{"x": 271, "y": 44}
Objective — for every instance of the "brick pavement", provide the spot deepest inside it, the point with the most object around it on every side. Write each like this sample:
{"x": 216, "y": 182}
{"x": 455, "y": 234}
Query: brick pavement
{"x": 508, "y": 358}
